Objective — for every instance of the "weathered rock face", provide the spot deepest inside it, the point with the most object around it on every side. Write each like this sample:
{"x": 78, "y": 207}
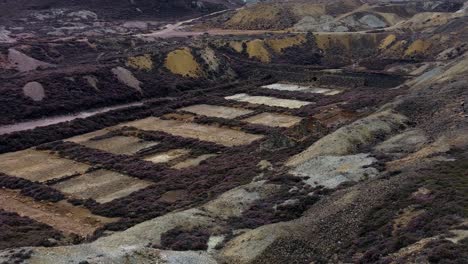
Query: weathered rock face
{"x": 331, "y": 171}
{"x": 345, "y": 140}
{"x": 233, "y": 203}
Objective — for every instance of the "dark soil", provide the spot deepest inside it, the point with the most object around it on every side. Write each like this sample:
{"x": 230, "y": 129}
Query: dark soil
{"x": 180, "y": 239}
{"x": 35, "y": 190}
{"x": 17, "y": 231}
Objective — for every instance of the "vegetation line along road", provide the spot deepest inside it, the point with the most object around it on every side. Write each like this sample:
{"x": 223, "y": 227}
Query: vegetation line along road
{"x": 46, "y": 121}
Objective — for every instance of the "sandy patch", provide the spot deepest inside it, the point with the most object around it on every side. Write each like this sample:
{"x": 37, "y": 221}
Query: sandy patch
{"x": 301, "y": 88}
{"x": 39, "y": 166}
{"x": 216, "y": 111}
{"x": 103, "y": 186}
{"x": 61, "y": 216}
{"x": 331, "y": 171}
{"x": 279, "y": 45}
{"x": 119, "y": 145}
{"x": 167, "y": 156}
{"x": 273, "y": 120}
{"x": 126, "y": 77}
{"x": 23, "y": 62}
{"x": 34, "y": 90}
{"x": 92, "y": 81}
{"x": 192, "y": 162}
{"x": 257, "y": 50}
{"x": 224, "y": 136}
{"x": 266, "y": 100}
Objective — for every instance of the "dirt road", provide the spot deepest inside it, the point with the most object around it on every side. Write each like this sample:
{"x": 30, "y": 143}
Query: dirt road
{"x": 59, "y": 119}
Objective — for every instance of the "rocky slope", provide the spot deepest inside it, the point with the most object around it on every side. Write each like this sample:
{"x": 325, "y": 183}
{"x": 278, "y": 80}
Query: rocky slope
{"x": 330, "y": 16}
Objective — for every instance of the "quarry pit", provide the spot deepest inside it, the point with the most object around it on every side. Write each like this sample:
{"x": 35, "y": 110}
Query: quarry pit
{"x": 338, "y": 135}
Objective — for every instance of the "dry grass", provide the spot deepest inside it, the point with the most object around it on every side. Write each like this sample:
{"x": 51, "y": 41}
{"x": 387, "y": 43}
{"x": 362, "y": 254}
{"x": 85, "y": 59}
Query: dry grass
{"x": 307, "y": 9}
{"x": 387, "y": 42}
{"x": 278, "y": 45}
{"x": 273, "y": 120}
{"x": 224, "y": 136}
{"x": 182, "y": 62}
{"x": 248, "y": 17}
{"x": 39, "y": 166}
{"x": 143, "y": 62}
{"x": 256, "y": 49}
{"x": 418, "y": 47}
{"x": 237, "y": 46}
{"x": 103, "y": 186}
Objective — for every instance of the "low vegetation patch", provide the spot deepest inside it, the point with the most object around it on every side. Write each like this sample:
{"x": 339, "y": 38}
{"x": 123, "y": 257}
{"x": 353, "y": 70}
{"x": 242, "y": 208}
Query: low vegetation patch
{"x": 181, "y": 239}
{"x": 37, "y": 191}
{"x": 17, "y": 231}
{"x": 440, "y": 193}
{"x": 290, "y": 203}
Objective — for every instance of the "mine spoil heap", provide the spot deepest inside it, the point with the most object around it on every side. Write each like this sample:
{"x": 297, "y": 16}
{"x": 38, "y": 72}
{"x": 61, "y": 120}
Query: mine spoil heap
{"x": 217, "y": 132}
